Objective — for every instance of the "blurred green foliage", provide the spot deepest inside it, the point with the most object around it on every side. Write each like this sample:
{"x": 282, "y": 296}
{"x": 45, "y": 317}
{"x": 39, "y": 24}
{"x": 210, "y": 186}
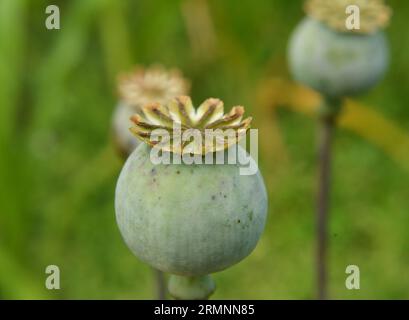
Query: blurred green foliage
{"x": 58, "y": 168}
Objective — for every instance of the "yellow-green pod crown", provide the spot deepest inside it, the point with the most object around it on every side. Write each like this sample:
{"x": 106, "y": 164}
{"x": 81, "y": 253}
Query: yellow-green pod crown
{"x": 205, "y": 121}
{"x": 374, "y": 14}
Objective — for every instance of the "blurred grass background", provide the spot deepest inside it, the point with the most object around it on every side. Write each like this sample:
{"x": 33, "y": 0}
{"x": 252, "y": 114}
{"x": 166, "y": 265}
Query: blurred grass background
{"x": 58, "y": 169}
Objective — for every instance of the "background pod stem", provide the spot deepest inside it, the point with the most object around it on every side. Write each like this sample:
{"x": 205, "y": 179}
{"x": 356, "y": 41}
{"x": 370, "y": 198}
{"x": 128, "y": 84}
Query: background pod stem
{"x": 160, "y": 286}
{"x": 191, "y": 288}
{"x": 328, "y": 114}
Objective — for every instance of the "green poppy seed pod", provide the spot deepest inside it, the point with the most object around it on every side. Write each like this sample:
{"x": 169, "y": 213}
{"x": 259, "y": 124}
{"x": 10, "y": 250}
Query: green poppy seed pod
{"x": 189, "y": 219}
{"x": 335, "y": 63}
{"x": 138, "y": 88}
{"x": 124, "y": 141}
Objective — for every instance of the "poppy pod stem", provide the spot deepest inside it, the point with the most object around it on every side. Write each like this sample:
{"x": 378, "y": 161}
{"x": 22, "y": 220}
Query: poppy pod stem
{"x": 328, "y": 113}
{"x": 160, "y": 284}
{"x": 191, "y": 288}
